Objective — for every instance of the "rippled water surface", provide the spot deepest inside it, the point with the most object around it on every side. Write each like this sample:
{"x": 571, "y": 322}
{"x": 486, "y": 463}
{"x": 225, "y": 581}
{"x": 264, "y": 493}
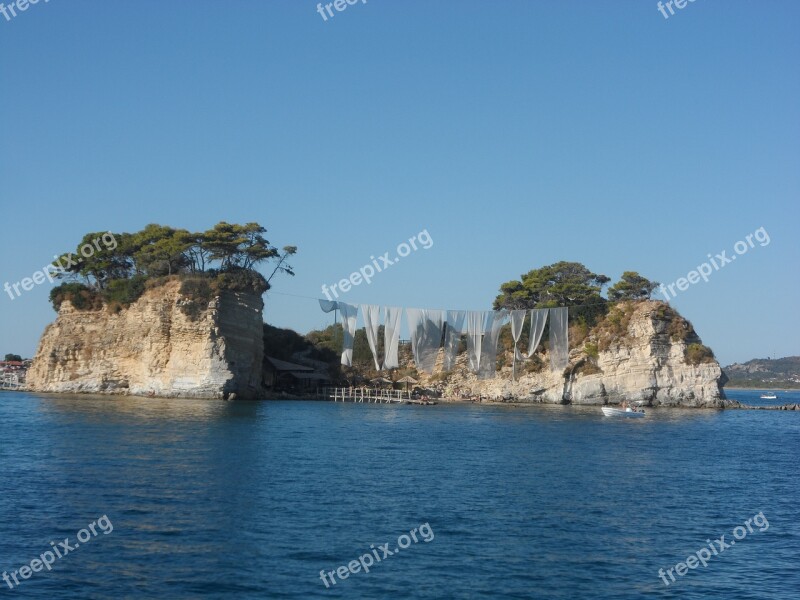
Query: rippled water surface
{"x": 253, "y": 500}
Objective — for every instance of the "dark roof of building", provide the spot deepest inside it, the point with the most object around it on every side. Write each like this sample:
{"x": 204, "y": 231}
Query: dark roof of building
{"x": 282, "y": 365}
{"x": 311, "y": 376}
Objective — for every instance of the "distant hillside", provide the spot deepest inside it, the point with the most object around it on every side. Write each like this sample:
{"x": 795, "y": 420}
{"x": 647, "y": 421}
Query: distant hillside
{"x": 779, "y": 373}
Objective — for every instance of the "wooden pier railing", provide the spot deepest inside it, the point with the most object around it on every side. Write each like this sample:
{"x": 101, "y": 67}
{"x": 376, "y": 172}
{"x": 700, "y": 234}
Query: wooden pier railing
{"x": 365, "y": 394}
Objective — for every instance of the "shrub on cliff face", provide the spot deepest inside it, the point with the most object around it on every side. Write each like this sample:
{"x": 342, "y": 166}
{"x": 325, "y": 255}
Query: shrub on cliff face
{"x": 698, "y": 353}
{"x": 197, "y": 292}
{"x": 587, "y": 368}
{"x": 241, "y": 280}
{"x": 680, "y": 330}
{"x": 535, "y": 364}
{"x": 80, "y": 296}
{"x": 614, "y": 327}
{"x": 124, "y": 291}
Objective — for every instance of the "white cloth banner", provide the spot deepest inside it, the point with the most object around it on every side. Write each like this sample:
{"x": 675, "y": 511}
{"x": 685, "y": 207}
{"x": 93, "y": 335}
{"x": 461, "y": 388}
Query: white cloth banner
{"x": 349, "y": 316}
{"x": 391, "y": 337}
{"x": 538, "y": 321}
{"x": 476, "y": 325}
{"x": 425, "y": 328}
{"x": 452, "y": 337}
{"x": 517, "y": 321}
{"x": 371, "y": 314}
{"x": 494, "y": 323}
{"x": 559, "y": 338}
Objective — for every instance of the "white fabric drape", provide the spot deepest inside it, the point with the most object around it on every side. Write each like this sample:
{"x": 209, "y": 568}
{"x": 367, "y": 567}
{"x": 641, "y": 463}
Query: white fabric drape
{"x": 538, "y": 321}
{"x": 391, "y": 337}
{"x": 349, "y": 315}
{"x": 517, "y": 321}
{"x": 455, "y": 328}
{"x": 371, "y": 314}
{"x": 494, "y": 323}
{"x": 425, "y": 327}
{"x": 559, "y": 338}
{"x": 476, "y": 324}
{"x": 482, "y": 329}
{"x": 328, "y": 305}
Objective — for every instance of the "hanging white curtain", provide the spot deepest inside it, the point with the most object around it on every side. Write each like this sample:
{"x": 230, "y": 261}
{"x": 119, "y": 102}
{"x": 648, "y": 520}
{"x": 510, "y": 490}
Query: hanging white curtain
{"x": 372, "y": 322}
{"x": 476, "y": 325}
{"x": 517, "y": 321}
{"x": 494, "y": 323}
{"x": 559, "y": 338}
{"x": 349, "y": 315}
{"x": 391, "y": 336}
{"x": 425, "y": 327}
{"x": 452, "y": 337}
{"x": 538, "y": 321}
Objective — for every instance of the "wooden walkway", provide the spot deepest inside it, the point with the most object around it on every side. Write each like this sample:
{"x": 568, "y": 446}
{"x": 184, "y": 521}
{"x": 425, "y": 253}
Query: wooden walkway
{"x": 365, "y": 394}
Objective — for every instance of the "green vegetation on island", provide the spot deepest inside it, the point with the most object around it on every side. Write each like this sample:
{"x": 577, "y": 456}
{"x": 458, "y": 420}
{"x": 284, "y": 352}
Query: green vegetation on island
{"x": 118, "y": 271}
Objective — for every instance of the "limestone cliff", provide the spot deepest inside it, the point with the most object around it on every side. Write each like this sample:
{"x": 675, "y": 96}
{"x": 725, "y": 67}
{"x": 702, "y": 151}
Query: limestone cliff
{"x": 641, "y": 351}
{"x": 153, "y": 348}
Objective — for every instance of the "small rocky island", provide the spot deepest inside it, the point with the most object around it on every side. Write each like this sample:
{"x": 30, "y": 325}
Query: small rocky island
{"x": 641, "y": 350}
{"x": 149, "y": 315}
{"x": 152, "y": 319}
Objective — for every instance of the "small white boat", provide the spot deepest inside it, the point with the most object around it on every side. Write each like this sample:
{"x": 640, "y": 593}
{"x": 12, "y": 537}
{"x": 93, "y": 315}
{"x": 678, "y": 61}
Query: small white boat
{"x": 626, "y": 413}
{"x": 769, "y": 396}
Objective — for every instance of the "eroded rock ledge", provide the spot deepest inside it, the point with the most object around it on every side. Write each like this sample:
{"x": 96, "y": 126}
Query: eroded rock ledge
{"x": 153, "y": 349}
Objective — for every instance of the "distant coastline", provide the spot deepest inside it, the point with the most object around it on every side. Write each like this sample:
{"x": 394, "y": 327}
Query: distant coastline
{"x": 761, "y": 389}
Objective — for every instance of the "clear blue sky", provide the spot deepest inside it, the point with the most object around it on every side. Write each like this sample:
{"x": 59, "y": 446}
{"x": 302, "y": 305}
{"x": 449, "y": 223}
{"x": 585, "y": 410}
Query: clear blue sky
{"x": 518, "y": 133}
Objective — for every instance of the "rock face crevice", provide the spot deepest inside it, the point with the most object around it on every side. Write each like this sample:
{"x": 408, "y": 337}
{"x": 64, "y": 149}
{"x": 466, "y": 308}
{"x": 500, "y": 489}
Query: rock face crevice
{"x": 152, "y": 348}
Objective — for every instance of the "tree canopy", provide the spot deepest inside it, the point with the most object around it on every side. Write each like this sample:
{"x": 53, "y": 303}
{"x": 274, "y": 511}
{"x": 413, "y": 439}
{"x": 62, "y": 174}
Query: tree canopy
{"x": 119, "y": 264}
{"x": 560, "y": 284}
{"x": 632, "y": 286}
{"x": 571, "y": 284}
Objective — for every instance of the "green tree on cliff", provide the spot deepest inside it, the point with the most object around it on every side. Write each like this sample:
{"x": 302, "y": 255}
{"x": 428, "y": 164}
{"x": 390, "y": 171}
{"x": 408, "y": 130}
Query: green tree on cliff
{"x": 97, "y": 259}
{"x": 238, "y": 246}
{"x": 116, "y": 268}
{"x": 632, "y": 286}
{"x": 560, "y": 284}
{"x": 160, "y": 250}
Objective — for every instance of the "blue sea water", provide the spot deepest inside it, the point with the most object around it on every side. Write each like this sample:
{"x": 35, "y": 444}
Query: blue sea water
{"x": 253, "y": 499}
